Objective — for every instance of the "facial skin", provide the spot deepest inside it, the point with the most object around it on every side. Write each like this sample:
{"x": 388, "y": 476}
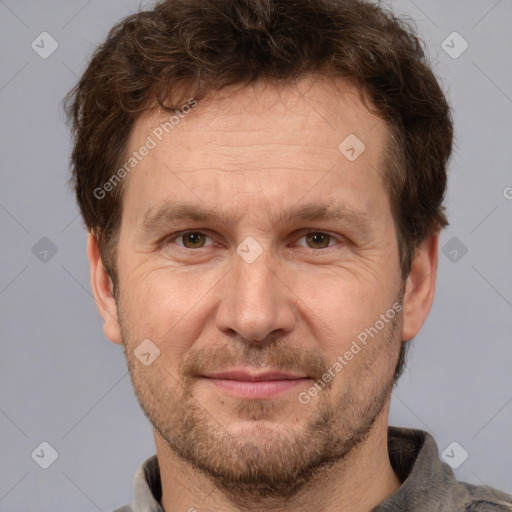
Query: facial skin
{"x": 249, "y": 158}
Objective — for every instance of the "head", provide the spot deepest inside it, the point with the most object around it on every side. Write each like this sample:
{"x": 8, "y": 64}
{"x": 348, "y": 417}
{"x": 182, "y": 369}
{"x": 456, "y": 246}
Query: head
{"x": 262, "y": 182}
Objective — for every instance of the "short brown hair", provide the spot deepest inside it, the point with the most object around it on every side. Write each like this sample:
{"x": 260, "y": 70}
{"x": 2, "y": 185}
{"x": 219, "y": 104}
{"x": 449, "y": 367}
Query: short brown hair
{"x": 203, "y": 46}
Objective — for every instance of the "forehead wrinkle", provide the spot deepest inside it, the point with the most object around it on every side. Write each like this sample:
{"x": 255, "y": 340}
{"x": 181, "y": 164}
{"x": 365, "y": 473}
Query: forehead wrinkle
{"x": 159, "y": 218}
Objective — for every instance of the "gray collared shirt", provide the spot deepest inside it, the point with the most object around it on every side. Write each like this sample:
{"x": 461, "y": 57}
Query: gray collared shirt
{"x": 428, "y": 484}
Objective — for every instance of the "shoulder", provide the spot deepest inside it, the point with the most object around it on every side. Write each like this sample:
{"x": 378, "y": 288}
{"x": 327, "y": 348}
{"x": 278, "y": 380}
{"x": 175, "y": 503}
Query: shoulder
{"x": 487, "y": 499}
{"x": 124, "y": 508}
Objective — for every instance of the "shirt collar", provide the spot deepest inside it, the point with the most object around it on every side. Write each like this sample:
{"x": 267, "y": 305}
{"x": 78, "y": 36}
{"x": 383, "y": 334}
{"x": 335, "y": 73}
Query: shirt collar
{"x": 427, "y": 482}
{"x": 148, "y": 487}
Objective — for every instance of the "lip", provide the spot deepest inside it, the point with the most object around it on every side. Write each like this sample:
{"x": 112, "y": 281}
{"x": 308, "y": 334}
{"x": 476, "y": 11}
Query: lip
{"x": 255, "y": 386}
{"x": 253, "y": 376}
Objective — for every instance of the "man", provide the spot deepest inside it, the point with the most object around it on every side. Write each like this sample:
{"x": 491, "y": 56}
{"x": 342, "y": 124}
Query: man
{"x": 262, "y": 182}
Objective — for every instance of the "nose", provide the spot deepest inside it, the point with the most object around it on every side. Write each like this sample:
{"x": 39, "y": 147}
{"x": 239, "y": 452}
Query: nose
{"x": 256, "y": 300}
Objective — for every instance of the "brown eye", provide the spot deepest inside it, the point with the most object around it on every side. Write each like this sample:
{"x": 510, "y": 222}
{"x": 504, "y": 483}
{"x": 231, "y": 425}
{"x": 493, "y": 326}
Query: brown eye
{"x": 318, "y": 240}
{"x": 193, "y": 240}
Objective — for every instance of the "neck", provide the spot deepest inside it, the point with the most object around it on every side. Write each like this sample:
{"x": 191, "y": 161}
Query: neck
{"x": 358, "y": 483}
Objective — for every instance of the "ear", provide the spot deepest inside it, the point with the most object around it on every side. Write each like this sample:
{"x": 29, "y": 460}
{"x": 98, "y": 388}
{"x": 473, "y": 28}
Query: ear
{"x": 102, "y": 288}
{"x": 420, "y": 287}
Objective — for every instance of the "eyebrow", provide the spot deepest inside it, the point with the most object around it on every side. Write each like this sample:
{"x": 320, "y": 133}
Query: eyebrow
{"x": 312, "y": 212}
{"x": 155, "y": 220}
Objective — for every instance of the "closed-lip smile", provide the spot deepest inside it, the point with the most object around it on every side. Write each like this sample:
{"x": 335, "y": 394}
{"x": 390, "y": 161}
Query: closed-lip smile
{"x": 254, "y": 384}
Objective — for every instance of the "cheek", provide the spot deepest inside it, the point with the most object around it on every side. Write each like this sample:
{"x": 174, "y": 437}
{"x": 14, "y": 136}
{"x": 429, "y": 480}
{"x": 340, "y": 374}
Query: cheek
{"x": 168, "y": 307}
{"x": 338, "y": 309}
{"x": 345, "y": 295}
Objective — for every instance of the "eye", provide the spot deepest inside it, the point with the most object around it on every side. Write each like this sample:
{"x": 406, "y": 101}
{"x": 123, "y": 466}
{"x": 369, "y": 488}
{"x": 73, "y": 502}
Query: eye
{"x": 318, "y": 240}
{"x": 191, "y": 240}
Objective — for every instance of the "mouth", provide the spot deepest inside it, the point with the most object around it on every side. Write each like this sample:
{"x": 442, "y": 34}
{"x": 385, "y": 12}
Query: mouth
{"x": 244, "y": 383}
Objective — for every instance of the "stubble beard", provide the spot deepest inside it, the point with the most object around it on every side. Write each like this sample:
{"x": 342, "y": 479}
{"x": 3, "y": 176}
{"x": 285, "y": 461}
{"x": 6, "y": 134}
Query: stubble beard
{"x": 267, "y": 462}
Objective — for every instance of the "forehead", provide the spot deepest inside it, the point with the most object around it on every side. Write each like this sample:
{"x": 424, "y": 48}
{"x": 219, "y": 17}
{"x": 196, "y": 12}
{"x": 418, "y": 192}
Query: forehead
{"x": 310, "y": 110}
{"x": 256, "y": 142}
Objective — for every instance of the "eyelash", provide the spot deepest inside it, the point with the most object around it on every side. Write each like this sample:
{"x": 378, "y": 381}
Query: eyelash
{"x": 173, "y": 238}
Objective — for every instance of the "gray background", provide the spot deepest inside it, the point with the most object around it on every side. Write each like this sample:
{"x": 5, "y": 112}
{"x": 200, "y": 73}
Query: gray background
{"x": 62, "y": 382}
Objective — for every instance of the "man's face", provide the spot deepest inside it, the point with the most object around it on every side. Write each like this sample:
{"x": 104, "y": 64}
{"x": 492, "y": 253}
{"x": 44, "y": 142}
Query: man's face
{"x": 259, "y": 280}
